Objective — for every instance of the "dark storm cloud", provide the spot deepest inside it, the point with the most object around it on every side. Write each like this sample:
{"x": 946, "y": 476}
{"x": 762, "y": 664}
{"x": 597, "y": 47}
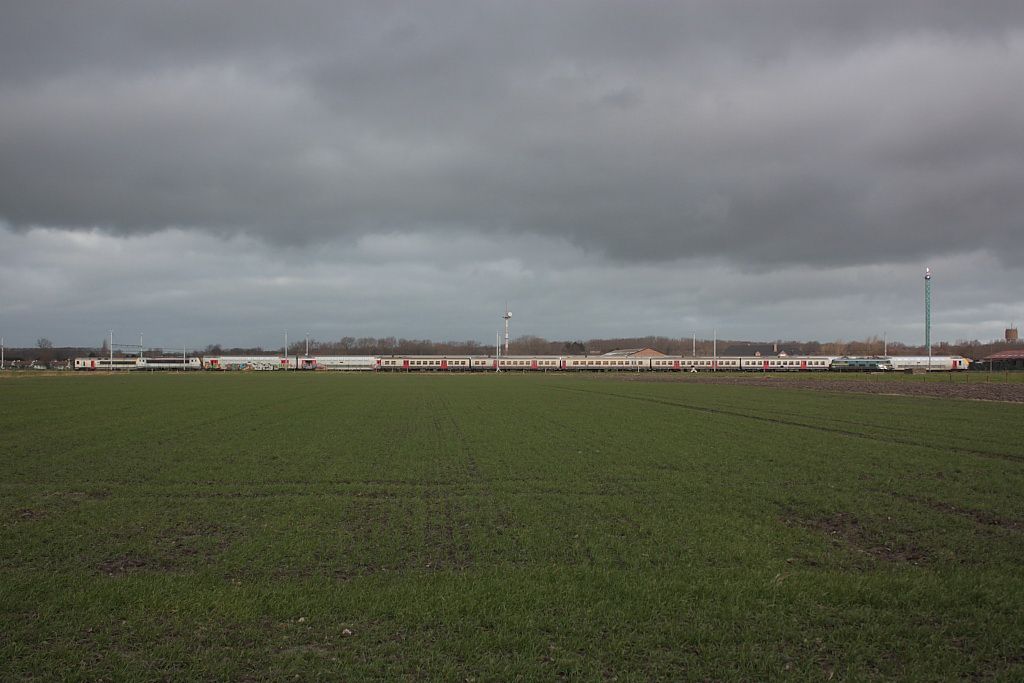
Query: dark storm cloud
{"x": 766, "y": 133}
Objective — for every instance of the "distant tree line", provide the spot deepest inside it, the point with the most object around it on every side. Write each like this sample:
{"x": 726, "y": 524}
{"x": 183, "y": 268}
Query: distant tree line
{"x": 682, "y": 346}
{"x": 45, "y": 351}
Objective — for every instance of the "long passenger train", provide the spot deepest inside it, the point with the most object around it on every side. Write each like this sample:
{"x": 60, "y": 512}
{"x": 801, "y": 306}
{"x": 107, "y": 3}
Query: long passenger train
{"x": 459, "y": 363}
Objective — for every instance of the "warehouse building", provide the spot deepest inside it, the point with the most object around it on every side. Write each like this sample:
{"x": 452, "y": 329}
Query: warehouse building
{"x": 1004, "y": 360}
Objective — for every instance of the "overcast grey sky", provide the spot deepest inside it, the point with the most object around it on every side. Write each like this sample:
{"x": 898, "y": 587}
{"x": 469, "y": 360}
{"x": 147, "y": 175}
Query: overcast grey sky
{"x": 220, "y": 171}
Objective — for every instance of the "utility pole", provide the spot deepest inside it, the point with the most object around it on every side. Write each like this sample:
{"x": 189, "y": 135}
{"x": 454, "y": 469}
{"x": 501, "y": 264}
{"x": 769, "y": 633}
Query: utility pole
{"x": 285, "y": 349}
{"x": 885, "y": 343}
{"x": 140, "y": 346}
{"x": 497, "y": 351}
{"x": 694, "y": 354}
{"x": 1, "y": 353}
{"x": 928, "y": 314}
{"x": 307, "y": 345}
{"x": 111, "y": 367}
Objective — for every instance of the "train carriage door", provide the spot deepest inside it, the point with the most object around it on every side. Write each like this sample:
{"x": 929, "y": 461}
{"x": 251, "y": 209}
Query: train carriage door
{"x": 675, "y": 364}
{"x": 561, "y": 363}
{"x": 803, "y": 365}
{"x": 533, "y": 364}
{"x": 93, "y": 365}
{"x": 405, "y": 363}
{"x": 765, "y": 365}
{"x": 444, "y": 364}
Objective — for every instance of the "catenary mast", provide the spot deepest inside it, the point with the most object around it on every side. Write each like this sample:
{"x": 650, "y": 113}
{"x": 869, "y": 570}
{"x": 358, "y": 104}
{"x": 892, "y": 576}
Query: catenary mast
{"x": 507, "y": 316}
{"x": 928, "y": 313}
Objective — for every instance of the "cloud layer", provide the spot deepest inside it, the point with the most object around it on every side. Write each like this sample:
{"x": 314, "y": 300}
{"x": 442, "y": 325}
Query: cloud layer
{"x": 186, "y": 288}
{"x": 782, "y": 139}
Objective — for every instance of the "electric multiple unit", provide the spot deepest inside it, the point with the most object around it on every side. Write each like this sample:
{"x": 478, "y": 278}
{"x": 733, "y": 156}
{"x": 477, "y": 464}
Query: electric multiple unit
{"x": 457, "y": 363}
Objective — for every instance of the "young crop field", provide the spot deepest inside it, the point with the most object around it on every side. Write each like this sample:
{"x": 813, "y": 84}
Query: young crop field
{"x": 271, "y": 526}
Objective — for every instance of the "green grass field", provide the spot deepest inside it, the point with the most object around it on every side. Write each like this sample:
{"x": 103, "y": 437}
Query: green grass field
{"x": 268, "y": 526}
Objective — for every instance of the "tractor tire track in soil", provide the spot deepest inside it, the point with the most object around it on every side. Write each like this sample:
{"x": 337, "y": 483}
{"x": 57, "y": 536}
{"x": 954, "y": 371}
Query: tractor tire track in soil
{"x": 976, "y": 391}
{"x": 1012, "y": 457}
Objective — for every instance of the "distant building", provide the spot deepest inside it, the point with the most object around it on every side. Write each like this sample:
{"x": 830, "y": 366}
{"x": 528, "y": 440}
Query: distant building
{"x": 1005, "y": 360}
{"x": 1011, "y": 335}
{"x": 633, "y": 353}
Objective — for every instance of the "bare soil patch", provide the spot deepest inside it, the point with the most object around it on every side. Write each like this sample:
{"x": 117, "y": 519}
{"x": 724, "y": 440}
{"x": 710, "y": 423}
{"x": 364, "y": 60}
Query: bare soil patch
{"x": 124, "y": 564}
{"x": 846, "y": 530}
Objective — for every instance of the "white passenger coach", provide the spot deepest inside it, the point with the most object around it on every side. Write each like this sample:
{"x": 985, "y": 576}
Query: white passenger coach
{"x": 606, "y": 363}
